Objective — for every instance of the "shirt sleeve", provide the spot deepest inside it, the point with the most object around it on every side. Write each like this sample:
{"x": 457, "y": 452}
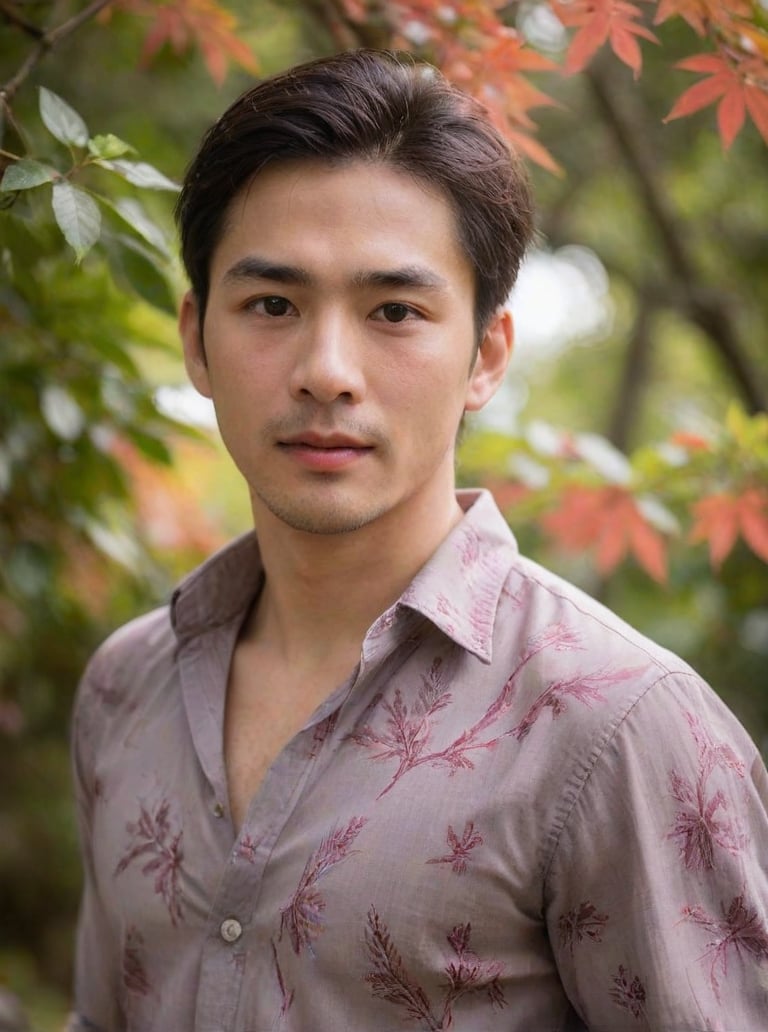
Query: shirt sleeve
{"x": 657, "y": 896}
{"x": 96, "y": 1007}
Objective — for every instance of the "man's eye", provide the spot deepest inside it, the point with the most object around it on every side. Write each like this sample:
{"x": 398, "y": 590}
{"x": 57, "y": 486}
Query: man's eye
{"x": 273, "y": 305}
{"x": 395, "y": 312}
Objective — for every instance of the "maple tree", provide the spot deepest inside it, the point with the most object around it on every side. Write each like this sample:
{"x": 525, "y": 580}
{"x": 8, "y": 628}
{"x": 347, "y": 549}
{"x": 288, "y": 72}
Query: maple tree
{"x": 482, "y": 47}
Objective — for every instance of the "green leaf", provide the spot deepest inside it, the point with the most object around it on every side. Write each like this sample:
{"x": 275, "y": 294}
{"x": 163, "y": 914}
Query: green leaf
{"x": 61, "y": 120}
{"x": 109, "y": 146}
{"x": 140, "y": 174}
{"x": 78, "y": 217}
{"x": 134, "y": 214}
{"x": 26, "y": 174}
{"x": 151, "y": 447}
{"x": 145, "y": 276}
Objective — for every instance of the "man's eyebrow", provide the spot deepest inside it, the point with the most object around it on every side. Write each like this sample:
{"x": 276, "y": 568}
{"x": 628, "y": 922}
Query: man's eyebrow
{"x": 414, "y": 276}
{"x": 252, "y": 267}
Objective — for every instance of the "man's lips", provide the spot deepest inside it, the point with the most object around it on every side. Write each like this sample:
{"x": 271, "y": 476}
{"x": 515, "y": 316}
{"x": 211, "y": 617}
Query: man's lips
{"x": 310, "y": 439}
{"x": 324, "y": 452}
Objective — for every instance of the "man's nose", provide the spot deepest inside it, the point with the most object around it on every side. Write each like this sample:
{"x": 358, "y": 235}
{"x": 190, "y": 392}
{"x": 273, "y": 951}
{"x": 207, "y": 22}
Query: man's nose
{"x": 328, "y": 362}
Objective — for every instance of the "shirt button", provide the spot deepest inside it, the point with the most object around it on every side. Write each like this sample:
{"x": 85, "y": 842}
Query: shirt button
{"x": 230, "y": 930}
{"x": 218, "y": 810}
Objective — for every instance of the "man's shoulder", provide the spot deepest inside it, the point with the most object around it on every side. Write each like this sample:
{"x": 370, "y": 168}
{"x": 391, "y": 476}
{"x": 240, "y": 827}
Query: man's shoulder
{"x": 133, "y": 662}
{"x": 580, "y": 670}
{"x": 137, "y": 645}
{"x": 583, "y": 679}
{"x": 536, "y": 597}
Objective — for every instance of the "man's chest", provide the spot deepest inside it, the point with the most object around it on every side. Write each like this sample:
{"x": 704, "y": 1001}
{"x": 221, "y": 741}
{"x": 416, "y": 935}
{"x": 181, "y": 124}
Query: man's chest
{"x": 267, "y": 704}
{"x": 404, "y": 789}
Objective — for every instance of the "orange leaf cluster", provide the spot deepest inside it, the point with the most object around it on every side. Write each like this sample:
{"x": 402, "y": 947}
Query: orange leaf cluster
{"x": 599, "y": 22}
{"x": 720, "y": 519}
{"x": 486, "y": 58}
{"x": 609, "y": 519}
{"x": 739, "y": 84}
{"x": 182, "y": 24}
{"x": 700, "y": 14}
{"x": 471, "y": 44}
{"x": 736, "y": 70}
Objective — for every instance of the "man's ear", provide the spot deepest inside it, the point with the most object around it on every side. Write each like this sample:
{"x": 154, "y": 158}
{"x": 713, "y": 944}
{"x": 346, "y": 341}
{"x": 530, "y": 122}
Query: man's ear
{"x": 190, "y": 331}
{"x": 491, "y": 362}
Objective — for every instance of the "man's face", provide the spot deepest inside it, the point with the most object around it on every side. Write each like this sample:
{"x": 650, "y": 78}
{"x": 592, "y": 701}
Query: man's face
{"x": 338, "y": 344}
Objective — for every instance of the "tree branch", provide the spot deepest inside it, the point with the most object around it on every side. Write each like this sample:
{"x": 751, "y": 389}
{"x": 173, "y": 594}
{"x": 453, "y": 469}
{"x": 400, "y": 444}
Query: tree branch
{"x": 634, "y": 376}
{"x": 9, "y": 12}
{"x": 47, "y": 41}
{"x": 704, "y": 304}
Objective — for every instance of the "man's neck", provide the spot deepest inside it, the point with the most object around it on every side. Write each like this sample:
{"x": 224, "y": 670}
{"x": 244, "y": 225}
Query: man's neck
{"x": 323, "y": 591}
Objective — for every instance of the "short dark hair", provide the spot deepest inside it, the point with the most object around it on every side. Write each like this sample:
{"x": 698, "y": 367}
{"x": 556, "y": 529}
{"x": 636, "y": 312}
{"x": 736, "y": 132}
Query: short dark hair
{"x": 378, "y": 106}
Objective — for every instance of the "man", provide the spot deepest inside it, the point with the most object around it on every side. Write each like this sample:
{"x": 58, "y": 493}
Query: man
{"x": 372, "y": 769}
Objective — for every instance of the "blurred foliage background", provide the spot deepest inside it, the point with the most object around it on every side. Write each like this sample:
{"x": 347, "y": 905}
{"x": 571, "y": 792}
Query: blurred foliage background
{"x": 641, "y": 372}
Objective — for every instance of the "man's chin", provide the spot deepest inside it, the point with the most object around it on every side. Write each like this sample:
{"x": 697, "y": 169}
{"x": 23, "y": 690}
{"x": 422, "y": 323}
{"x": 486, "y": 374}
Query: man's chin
{"x": 323, "y": 519}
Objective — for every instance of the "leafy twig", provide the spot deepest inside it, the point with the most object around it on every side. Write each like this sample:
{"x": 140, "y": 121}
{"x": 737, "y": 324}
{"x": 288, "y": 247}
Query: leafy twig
{"x": 47, "y": 41}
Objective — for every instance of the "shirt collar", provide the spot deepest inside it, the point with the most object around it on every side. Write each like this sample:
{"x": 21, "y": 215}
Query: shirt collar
{"x": 218, "y": 591}
{"x": 458, "y": 588}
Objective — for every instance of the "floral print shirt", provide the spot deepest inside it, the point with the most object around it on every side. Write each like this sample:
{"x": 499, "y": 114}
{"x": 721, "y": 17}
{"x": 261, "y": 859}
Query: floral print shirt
{"x": 517, "y": 815}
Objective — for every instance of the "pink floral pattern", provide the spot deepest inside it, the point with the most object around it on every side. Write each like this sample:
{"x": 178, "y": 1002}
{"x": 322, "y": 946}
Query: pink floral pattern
{"x": 582, "y": 923}
{"x": 465, "y": 973}
{"x": 286, "y": 994}
{"x": 697, "y": 826}
{"x": 461, "y": 848}
{"x": 135, "y": 977}
{"x": 713, "y": 754}
{"x": 628, "y": 992}
{"x": 302, "y": 917}
{"x": 154, "y": 840}
{"x": 701, "y": 825}
{"x": 407, "y": 734}
{"x": 739, "y": 931}
{"x": 583, "y": 688}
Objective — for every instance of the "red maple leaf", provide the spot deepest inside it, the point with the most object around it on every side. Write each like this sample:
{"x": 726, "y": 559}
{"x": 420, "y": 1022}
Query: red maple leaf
{"x": 609, "y": 519}
{"x": 740, "y": 86}
{"x": 700, "y": 14}
{"x": 721, "y": 518}
{"x": 486, "y": 58}
{"x": 599, "y": 22}
{"x": 182, "y": 24}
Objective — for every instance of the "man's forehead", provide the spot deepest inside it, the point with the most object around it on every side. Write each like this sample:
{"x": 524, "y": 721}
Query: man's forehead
{"x": 313, "y": 169}
{"x": 376, "y": 194}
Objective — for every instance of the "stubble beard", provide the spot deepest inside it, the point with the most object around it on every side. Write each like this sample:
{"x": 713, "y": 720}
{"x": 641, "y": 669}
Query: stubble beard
{"x": 319, "y": 508}
{"x": 307, "y": 511}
